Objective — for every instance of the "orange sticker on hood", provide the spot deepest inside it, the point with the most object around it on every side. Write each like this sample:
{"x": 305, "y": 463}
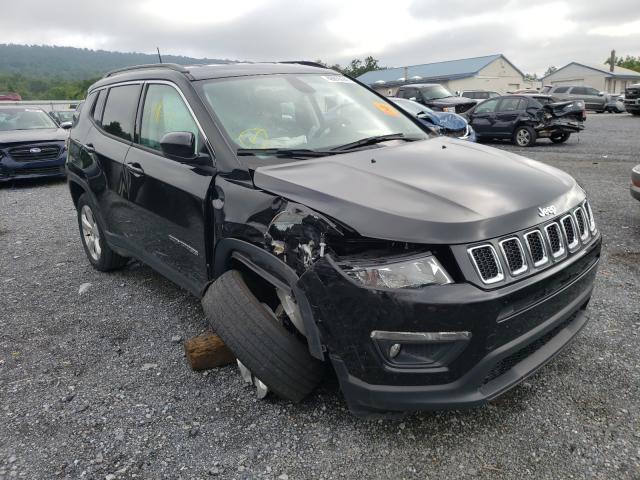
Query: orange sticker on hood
{"x": 386, "y": 109}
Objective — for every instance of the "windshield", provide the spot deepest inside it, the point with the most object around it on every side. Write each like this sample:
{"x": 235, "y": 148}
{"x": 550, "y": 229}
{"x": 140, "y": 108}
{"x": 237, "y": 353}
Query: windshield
{"x": 434, "y": 92}
{"x": 24, "y": 119}
{"x": 414, "y": 108}
{"x": 308, "y": 111}
{"x": 64, "y": 116}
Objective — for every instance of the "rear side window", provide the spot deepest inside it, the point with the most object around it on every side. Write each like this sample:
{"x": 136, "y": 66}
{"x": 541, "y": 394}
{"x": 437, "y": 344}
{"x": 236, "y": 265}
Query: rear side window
{"x": 512, "y": 104}
{"x": 487, "y": 106}
{"x": 164, "y": 111}
{"x": 561, "y": 90}
{"x": 120, "y": 110}
{"x": 99, "y": 108}
{"x": 578, "y": 91}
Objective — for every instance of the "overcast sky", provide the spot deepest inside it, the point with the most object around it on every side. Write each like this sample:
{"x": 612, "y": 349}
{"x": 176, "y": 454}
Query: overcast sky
{"x": 532, "y": 34}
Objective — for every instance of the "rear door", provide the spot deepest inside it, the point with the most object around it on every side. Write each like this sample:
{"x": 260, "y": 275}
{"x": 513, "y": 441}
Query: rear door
{"x": 166, "y": 196}
{"x": 482, "y": 119}
{"x": 507, "y": 113}
{"x": 107, "y": 144}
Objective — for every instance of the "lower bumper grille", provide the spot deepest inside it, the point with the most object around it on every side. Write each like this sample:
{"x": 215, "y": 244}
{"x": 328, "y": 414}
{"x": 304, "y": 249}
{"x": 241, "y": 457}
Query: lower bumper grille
{"x": 507, "y": 363}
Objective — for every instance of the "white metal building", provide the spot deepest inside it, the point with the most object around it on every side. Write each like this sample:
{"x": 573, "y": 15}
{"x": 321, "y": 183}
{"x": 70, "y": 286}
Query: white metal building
{"x": 598, "y": 77}
{"x": 491, "y": 72}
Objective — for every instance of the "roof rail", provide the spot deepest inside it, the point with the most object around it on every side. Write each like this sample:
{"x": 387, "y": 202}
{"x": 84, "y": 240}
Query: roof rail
{"x": 307, "y": 63}
{"x": 170, "y": 66}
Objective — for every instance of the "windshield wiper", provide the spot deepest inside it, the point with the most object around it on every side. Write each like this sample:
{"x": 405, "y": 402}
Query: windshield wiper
{"x": 285, "y": 152}
{"x": 373, "y": 140}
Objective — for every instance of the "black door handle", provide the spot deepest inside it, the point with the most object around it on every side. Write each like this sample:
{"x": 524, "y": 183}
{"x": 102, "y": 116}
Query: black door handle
{"x": 135, "y": 168}
{"x": 89, "y": 148}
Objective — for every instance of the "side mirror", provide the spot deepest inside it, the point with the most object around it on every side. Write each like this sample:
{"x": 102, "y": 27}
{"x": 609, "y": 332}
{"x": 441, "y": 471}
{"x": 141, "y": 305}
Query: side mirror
{"x": 181, "y": 145}
{"x": 66, "y": 125}
{"x": 413, "y": 98}
{"x": 601, "y": 94}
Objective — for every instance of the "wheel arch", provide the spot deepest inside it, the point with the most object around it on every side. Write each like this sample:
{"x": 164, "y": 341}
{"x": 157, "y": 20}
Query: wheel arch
{"x": 230, "y": 253}
{"x": 76, "y": 191}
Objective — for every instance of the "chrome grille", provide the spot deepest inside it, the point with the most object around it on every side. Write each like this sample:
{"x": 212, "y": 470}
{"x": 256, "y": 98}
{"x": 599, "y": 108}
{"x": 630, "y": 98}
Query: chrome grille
{"x": 514, "y": 255}
{"x": 507, "y": 259}
{"x": 487, "y": 264}
{"x": 33, "y": 153}
{"x": 592, "y": 222}
{"x": 555, "y": 239}
{"x": 536, "y": 247}
{"x": 569, "y": 229}
{"x": 581, "y": 222}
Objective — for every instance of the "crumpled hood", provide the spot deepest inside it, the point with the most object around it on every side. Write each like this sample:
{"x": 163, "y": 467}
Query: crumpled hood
{"x": 440, "y": 190}
{"x": 36, "y": 135}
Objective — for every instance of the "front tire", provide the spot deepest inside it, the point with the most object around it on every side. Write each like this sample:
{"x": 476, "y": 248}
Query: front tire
{"x": 563, "y": 137}
{"x": 274, "y": 355}
{"x": 95, "y": 246}
{"x": 524, "y": 136}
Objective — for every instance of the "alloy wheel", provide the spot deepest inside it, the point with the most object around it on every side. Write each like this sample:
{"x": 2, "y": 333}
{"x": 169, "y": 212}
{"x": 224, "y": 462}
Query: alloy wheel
{"x": 90, "y": 232}
{"x": 523, "y": 138}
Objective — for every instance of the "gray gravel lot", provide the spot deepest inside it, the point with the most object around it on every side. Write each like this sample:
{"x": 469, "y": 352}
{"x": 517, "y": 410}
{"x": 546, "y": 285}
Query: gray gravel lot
{"x": 93, "y": 386}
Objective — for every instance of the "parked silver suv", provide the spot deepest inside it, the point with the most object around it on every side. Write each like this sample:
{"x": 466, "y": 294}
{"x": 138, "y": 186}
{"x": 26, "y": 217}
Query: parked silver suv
{"x": 593, "y": 99}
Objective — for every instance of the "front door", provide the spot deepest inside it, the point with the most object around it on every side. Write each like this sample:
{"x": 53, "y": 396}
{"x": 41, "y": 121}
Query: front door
{"x": 168, "y": 196}
{"x": 482, "y": 119}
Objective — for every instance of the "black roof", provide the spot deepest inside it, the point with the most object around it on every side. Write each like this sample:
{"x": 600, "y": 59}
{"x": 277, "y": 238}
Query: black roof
{"x": 202, "y": 72}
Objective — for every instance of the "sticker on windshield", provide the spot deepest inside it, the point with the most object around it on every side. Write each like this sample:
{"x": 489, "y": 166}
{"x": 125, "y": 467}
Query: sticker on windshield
{"x": 386, "y": 109}
{"x": 336, "y": 79}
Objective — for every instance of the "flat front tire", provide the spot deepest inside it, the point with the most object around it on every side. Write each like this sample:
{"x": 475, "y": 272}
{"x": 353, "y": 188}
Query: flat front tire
{"x": 524, "y": 136}
{"x": 93, "y": 240}
{"x": 273, "y": 354}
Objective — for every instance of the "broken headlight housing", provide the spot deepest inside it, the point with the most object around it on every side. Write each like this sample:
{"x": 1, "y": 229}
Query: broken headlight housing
{"x": 407, "y": 273}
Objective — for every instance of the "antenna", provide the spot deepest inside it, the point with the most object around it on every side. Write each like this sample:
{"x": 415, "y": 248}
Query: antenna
{"x": 159, "y": 56}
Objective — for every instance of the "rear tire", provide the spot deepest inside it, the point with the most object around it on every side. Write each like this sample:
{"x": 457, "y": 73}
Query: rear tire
{"x": 273, "y": 354}
{"x": 563, "y": 137}
{"x": 635, "y": 113}
{"x": 524, "y": 136}
{"x": 94, "y": 243}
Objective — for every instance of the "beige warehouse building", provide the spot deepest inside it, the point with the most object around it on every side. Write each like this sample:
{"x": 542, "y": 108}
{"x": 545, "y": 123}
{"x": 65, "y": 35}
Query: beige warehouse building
{"x": 491, "y": 72}
{"x": 598, "y": 77}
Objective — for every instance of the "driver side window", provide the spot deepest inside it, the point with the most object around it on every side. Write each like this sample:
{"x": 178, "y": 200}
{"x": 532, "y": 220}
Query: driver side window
{"x": 164, "y": 111}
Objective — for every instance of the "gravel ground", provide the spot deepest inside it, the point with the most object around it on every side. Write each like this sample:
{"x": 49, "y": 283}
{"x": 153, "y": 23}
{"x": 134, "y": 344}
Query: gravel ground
{"x": 95, "y": 384}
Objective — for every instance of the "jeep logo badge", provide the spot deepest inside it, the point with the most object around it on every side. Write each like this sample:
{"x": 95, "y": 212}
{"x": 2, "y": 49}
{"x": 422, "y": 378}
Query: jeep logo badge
{"x": 35, "y": 150}
{"x": 544, "y": 211}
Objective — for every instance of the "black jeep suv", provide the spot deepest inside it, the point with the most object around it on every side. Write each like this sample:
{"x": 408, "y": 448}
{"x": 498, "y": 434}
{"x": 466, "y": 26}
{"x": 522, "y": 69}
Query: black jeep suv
{"x": 321, "y": 225}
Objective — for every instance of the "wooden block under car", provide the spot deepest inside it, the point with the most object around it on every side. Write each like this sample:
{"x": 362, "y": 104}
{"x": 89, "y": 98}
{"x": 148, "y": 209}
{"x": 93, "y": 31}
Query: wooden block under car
{"x": 207, "y": 351}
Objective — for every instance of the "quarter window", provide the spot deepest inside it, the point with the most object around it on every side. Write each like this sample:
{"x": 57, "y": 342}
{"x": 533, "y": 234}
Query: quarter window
{"x": 164, "y": 111}
{"x": 99, "y": 108}
{"x": 487, "y": 106}
{"x": 120, "y": 110}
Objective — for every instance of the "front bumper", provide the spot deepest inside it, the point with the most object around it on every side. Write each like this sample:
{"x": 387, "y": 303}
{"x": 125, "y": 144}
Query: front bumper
{"x": 12, "y": 170}
{"x": 503, "y": 350}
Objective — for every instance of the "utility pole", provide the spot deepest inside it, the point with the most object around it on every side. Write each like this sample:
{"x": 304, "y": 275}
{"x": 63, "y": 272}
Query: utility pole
{"x": 159, "y": 56}
{"x": 612, "y": 60}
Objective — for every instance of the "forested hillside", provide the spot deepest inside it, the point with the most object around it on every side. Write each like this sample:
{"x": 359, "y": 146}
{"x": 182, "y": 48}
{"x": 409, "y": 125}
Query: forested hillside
{"x": 48, "y": 73}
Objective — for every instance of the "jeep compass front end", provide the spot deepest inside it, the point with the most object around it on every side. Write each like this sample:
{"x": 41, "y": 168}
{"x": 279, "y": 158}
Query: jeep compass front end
{"x": 322, "y": 225}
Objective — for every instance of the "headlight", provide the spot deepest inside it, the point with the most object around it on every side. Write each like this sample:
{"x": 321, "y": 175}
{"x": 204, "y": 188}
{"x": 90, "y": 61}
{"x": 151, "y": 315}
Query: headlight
{"x": 413, "y": 273}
